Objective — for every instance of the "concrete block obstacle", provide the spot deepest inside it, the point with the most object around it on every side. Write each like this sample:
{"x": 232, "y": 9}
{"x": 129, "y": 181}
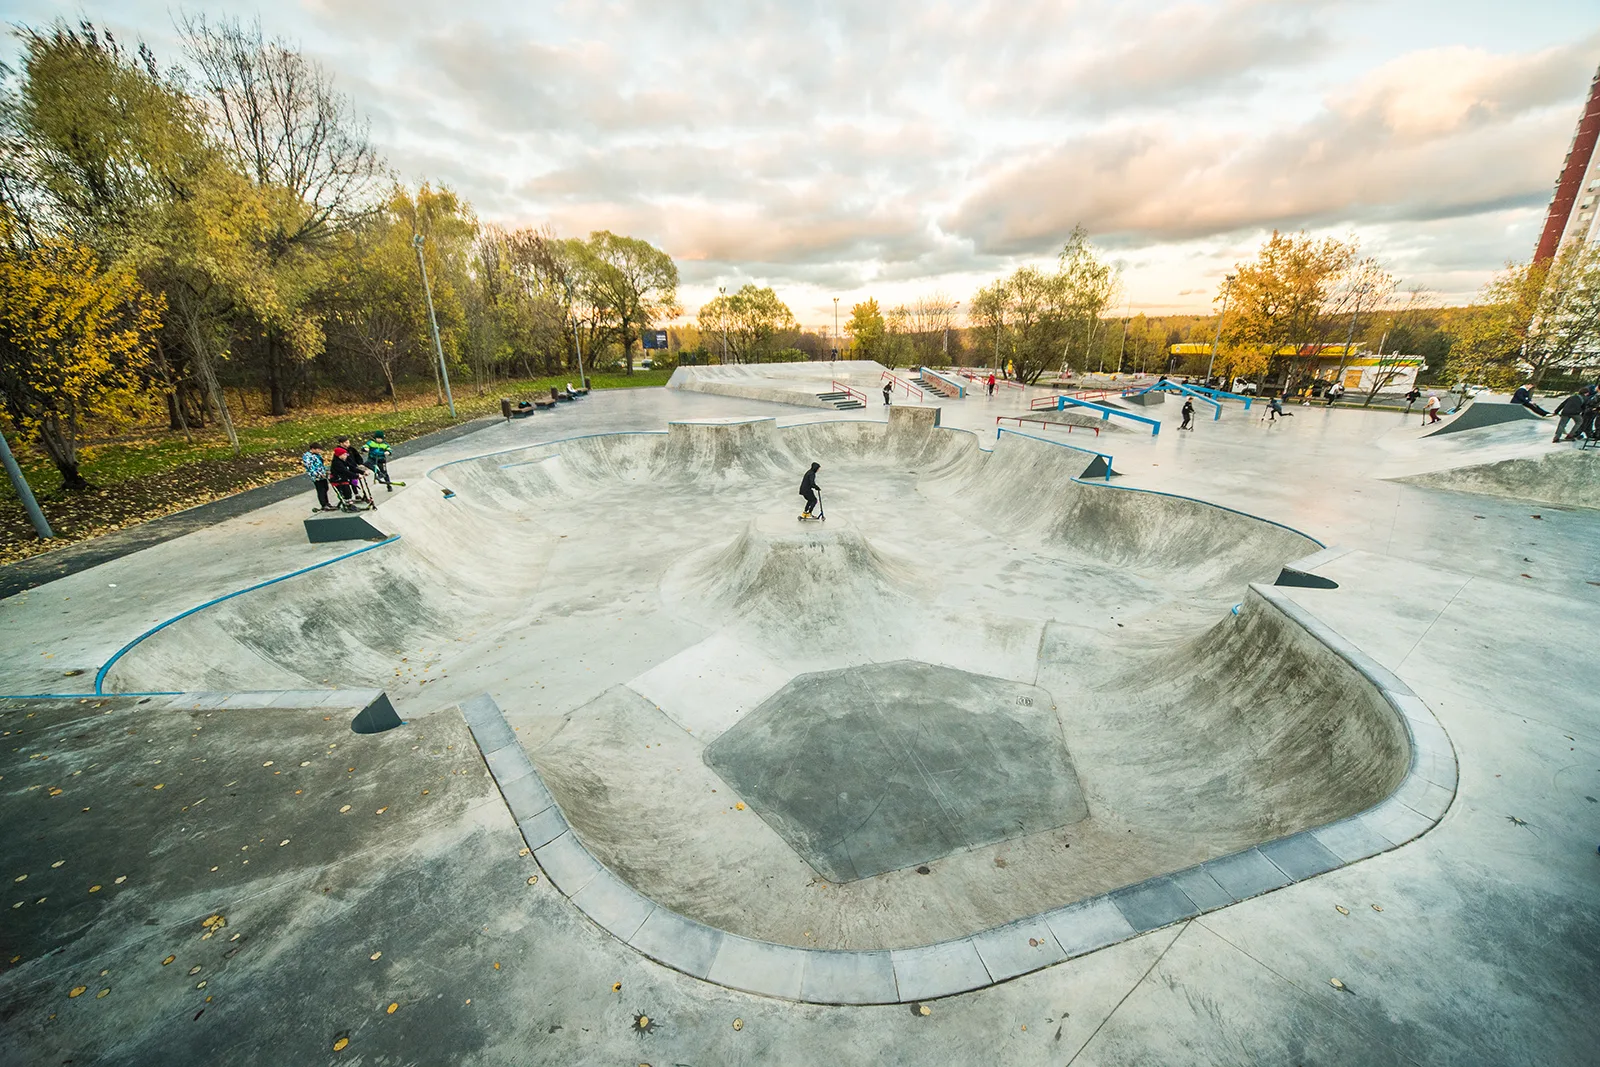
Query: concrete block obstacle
{"x": 1479, "y": 413}
{"x": 338, "y": 526}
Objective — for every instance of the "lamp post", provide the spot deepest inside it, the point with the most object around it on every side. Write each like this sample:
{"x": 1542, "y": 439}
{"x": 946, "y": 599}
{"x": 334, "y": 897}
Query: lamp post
{"x": 427, "y": 291}
{"x": 25, "y": 494}
{"x": 1227, "y": 288}
{"x": 576, "y": 347}
{"x": 722, "y": 293}
{"x": 953, "y": 308}
{"x": 835, "y": 327}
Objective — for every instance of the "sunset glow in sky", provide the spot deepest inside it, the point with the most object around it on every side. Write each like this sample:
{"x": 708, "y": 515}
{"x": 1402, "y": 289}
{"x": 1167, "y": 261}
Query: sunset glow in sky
{"x": 896, "y": 148}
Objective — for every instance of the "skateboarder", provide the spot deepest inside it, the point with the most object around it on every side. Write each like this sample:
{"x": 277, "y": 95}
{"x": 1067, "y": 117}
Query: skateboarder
{"x": 1524, "y": 396}
{"x": 991, "y": 383}
{"x": 809, "y": 487}
{"x": 1188, "y": 414}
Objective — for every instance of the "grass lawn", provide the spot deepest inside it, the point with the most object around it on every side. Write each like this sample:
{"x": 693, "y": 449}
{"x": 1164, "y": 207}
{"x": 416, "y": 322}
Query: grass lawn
{"x": 154, "y": 471}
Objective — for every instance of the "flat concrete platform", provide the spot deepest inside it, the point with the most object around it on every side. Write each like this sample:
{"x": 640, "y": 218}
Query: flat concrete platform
{"x": 621, "y": 643}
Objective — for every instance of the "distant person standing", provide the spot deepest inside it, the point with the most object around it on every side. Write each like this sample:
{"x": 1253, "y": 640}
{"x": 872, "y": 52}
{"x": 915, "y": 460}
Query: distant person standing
{"x": 1524, "y": 396}
{"x": 1188, "y": 414}
{"x": 317, "y": 471}
{"x": 1430, "y": 410}
{"x": 887, "y": 386}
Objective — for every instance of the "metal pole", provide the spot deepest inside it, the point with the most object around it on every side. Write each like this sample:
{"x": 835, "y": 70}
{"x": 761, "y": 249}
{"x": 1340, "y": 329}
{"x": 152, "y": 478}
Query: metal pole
{"x": 1227, "y": 288}
{"x": 20, "y": 484}
{"x": 722, "y": 291}
{"x": 576, "y": 347}
{"x": 438, "y": 348}
{"x": 836, "y": 327}
{"x": 1123, "y": 346}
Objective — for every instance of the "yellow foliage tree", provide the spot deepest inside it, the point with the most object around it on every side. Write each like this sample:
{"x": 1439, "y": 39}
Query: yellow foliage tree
{"x": 74, "y": 343}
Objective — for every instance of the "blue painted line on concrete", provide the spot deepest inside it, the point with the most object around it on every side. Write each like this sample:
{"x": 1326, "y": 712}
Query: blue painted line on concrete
{"x": 100, "y": 676}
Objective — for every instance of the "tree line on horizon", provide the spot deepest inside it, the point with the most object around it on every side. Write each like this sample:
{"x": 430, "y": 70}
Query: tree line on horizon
{"x": 171, "y": 233}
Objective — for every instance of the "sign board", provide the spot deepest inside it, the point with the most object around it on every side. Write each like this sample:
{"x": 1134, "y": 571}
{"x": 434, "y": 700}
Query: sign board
{"x": 655, "y": 339}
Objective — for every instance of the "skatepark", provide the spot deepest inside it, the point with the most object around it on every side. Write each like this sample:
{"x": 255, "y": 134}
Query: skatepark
{"x": 1265, "y": 748}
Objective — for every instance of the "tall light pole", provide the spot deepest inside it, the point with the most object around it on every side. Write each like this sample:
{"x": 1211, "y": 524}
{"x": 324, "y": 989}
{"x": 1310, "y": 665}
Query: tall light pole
{"x": 835, "y": 327}
{"x": 571, "y": 313}
{"x": 1227, "y": 288}
{"x": 722, "y": 294}
{"x": 947, "y": 318}
{"x": 25, "y": 494}
{"x": 1123, "y": 346}
{"x": 427, "y": 291}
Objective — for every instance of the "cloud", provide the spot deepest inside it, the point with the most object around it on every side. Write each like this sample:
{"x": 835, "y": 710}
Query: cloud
{"x": 1430, "y": 135}
{"x": 834, "y": 147}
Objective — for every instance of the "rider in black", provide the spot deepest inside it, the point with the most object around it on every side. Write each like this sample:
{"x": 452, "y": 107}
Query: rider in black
{"x": 809, "y": 487}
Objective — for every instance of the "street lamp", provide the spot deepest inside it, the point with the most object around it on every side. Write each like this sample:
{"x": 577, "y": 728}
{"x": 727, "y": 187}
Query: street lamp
{"x": 953, "y": 308}
{"x": 835, "y": 327}
{"x": 576, "y": 347}
{"x": 1227, "y": 288}
{"x": 427, "y": 291}
{"x": 722, "y": 294}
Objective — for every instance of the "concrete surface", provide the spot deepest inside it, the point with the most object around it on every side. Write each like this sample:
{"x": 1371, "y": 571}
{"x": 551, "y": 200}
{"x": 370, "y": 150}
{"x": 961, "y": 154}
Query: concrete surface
{"x": 1484, "y": 950}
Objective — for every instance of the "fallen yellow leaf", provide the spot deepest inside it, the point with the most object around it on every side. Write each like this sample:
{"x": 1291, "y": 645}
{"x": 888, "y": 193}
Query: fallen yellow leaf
{"x": 1341, "y": 909}
{"x": 391, "y": 1009}
{"x": 616, "y": 987}
{"x": 102, "y": 993}
{"x": 338, "y": 1046}
{"x": 77, "y": 991}
{"x": 375, "y": 955}
{"x": 168, "y": 960}
{"x": 738, "y": 1024}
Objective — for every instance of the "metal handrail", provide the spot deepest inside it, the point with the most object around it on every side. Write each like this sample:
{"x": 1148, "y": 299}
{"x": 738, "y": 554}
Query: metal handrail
{"x": 1019, "y": 420}
{"x": 839, "y": 386}
{"x": 907, "y": 386}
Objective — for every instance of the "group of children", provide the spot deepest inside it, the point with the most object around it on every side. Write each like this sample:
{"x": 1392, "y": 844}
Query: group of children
{"x": 346, "y": 469}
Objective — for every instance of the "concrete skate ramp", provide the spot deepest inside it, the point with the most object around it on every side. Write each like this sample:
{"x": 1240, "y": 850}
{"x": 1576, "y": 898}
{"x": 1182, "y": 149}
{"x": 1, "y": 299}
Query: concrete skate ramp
{"x": 632, "y": 599}
{"x": 1254, "y": 723}
{"x": 1568, "y": 475}
{"x": 1481, "y": 413}
{"x": 1153, "y": 398}
{"x": 1029, "y": 488}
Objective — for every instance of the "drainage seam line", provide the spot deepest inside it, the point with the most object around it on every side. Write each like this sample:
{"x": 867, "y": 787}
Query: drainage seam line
{"x": 100, "y": 676}
{"x": 1432, "y": 624}
{"x": 1142, "y": 978}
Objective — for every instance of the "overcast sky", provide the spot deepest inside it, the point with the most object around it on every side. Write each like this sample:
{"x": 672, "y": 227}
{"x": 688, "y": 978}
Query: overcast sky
{"x": 899, "y": 148}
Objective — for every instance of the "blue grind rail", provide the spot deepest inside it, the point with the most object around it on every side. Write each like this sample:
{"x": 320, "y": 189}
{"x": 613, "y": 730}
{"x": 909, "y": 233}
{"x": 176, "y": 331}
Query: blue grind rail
{"x": 1106, "y": 412}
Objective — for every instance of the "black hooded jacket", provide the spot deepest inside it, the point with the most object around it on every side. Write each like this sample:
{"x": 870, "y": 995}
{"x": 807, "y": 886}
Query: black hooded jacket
{"x": 809, "y": 482}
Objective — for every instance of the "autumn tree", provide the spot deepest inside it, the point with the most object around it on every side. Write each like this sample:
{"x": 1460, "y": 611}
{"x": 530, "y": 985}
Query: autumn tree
{"x": 1282, "y": 299}
{"x": 74, "y": 342}
{"x": 1041, "y": 319}
{"x": 278, "y": 117}
{"x": 1532, "y": 317}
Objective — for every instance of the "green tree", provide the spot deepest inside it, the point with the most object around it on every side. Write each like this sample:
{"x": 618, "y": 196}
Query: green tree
{"x": 753, "y": 320}
{"x": 867, "y": 329}
{"x": 632, "y": 284}
{"x": 1532, "y": 317}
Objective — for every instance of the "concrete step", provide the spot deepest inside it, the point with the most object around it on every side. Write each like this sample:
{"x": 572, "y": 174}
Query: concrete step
{"x": 846, "y": 405}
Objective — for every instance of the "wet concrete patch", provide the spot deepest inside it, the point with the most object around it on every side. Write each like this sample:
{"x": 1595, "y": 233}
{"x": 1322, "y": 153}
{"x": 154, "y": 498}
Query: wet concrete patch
{"x": 872, "y": 769}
